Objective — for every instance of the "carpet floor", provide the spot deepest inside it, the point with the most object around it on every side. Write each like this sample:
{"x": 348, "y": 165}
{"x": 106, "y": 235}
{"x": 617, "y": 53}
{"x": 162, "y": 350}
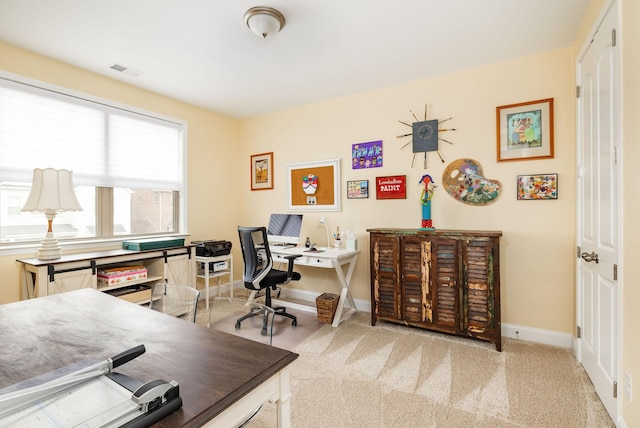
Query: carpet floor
{"x": 395, "y": 376}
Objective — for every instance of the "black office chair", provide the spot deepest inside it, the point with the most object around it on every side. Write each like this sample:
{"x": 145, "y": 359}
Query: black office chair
{"x": 259, "y": 274}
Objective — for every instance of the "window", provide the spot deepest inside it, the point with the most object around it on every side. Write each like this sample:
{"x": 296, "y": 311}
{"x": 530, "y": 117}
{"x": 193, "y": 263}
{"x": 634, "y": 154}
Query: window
{"x": 128, "y": 165}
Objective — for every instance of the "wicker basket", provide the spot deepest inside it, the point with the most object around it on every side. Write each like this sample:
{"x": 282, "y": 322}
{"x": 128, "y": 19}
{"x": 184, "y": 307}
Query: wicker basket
{"x": 326, "y": 305}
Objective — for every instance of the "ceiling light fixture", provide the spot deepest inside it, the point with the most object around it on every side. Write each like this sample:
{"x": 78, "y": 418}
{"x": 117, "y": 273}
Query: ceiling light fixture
{"x": 264, "y": 21}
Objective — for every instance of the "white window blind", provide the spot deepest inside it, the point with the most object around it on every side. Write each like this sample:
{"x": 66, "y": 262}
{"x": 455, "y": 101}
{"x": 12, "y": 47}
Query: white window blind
{"x": 103, "y": 145}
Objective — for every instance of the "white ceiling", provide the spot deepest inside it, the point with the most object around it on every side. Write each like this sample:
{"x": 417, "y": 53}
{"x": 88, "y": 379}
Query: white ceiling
{"x": 201, "y": 52}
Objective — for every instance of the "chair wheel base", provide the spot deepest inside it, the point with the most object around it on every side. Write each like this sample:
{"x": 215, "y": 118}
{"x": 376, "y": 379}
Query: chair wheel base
{"x": 237, "y": 325}
{"x": 294, "y": 323}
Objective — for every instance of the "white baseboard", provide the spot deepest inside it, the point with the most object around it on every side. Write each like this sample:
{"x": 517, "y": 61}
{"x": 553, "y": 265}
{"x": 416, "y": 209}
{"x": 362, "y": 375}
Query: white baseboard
{"x": 310, "y": 296}
{"x": 531, "y": 334}
{"x": 512, "y": 331}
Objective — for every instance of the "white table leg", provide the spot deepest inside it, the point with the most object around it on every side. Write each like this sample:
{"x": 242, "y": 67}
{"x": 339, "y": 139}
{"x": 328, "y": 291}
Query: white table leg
{"x": 283, "y": 403}
{"x": 206, "y": 286}
{"x": 344, "y": 294}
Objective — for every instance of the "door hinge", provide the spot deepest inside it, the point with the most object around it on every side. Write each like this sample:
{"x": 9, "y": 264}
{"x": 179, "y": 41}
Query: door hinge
{"x": 613, "y": 37}
{"x": 577, "y": 91}
{"x": 615, "y": 272}
{"x": 615, "y": 389}
{"x": 578, "y": 332}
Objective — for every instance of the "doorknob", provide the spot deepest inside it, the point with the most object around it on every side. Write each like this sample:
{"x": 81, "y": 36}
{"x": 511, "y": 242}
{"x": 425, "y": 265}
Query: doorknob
{"x": 590, "y": 257}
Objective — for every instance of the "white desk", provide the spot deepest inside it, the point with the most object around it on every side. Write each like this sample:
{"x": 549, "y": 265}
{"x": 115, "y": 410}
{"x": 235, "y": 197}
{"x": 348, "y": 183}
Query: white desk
{"x": 327, "y": 259}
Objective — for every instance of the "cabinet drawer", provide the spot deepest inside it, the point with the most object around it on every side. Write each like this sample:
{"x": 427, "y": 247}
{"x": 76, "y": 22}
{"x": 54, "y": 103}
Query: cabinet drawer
{"x": 305, "y": 261}
{"x": 133, "y": 293}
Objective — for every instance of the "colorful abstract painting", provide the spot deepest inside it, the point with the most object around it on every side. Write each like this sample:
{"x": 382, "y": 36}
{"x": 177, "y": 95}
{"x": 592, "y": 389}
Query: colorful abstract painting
{"x": 366, "y": 155}
{"x": 464, "y": 180}
{"x": 537, "y": 186}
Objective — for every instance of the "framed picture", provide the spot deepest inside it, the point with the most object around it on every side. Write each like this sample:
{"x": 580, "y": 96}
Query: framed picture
{"x": 366, "y": 155}
{"x": 314, "y": 186}
{"x": 392, "y": 187}
{"x": 262, "y": 171}
{"x": 537, "y": 186}
{"x": 525, "y": 131}
{"x": 357, "y": 189}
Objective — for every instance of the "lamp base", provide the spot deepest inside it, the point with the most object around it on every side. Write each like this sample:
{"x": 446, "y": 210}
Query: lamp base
{"x": 49, "y": 248}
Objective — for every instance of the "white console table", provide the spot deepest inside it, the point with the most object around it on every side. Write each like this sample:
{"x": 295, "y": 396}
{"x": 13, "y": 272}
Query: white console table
{"x": 326, "y": 258}
{"x": 74, "y": 271}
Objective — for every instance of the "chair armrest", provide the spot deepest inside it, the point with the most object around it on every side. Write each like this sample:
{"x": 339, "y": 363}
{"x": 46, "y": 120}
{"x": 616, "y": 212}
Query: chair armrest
{"x": 291, "y": 259}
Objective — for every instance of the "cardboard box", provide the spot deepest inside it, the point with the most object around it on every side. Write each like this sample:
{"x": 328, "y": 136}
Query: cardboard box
{"x": 120, "y": 276}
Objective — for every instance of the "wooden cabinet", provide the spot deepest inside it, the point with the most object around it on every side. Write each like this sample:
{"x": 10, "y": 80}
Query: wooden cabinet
{"x": 72, "y": 272}
{"x": 442, "y": 280}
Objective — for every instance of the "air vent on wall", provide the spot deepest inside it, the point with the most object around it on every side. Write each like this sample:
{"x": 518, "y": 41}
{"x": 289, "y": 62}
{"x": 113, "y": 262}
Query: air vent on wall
{"x": 126, "y": 70}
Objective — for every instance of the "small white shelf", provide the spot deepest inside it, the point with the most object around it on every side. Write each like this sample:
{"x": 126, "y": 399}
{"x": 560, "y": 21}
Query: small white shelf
{"x": 203, "y": 264}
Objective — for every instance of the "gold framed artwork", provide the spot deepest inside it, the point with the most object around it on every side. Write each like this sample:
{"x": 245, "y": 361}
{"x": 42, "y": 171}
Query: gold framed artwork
{"x": 525, "y": 131}
{"x": 314, "y": 186}
{"x": 262, "y": 171}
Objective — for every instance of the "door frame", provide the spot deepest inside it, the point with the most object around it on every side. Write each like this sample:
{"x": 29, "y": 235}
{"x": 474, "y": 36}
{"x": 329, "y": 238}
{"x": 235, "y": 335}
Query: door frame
{"x": 614, "y": 5}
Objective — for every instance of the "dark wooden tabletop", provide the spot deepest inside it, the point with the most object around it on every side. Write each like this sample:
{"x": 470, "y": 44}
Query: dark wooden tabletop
{"x": 213, "y": 369}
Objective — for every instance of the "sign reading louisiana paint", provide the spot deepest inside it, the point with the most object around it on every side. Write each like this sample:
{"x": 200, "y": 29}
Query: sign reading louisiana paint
{"x": 392, "y": 187}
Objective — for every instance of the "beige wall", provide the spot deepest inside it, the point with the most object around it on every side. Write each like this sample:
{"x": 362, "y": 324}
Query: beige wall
{"x": 631, "y": 152}
{"x": 213, "y": 140}
{"x": 538, "y": 242}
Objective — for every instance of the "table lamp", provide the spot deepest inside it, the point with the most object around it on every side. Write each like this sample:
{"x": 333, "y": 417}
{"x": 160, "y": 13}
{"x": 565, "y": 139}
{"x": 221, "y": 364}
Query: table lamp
{"x": 323, "y": 222}
{"x": 51, "y": 192}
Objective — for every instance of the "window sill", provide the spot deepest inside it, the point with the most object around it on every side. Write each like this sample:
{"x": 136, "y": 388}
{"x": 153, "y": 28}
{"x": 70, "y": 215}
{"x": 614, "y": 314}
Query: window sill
{"x": 72, "y": 247}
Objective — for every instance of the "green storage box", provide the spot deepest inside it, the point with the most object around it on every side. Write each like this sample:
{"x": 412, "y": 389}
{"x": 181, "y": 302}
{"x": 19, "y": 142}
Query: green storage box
{"x": 152, "y": 243}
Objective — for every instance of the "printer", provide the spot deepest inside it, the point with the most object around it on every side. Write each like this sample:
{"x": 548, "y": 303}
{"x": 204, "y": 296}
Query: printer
{"x": 212, "y": 248}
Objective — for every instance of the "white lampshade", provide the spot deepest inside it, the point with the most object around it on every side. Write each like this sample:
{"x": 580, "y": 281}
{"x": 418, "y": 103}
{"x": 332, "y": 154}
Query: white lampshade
{"x": 52, "y": 191}
{"x": 264, "y": 21}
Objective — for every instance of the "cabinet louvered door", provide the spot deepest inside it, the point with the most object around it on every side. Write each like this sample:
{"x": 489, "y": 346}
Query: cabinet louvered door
{"x": 415, "y": 266}
{"x": 384, "y": 277}
{"x": 478, "y": 259}
{"x": 441, "y": 280}
{"x": 446, "y": 283}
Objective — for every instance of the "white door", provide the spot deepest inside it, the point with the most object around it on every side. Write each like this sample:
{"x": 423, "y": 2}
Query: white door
{"x": 598, "y": 117}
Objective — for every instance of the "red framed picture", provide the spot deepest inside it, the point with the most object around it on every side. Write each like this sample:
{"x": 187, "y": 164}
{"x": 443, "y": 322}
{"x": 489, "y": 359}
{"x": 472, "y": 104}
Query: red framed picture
{"x": 391, "y": 187}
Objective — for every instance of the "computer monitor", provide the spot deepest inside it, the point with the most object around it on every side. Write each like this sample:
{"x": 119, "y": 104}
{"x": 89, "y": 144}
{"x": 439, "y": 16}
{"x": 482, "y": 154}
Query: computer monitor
{"x": 284, "y": 229}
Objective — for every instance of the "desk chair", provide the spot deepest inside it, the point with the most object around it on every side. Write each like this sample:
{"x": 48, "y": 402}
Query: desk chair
{"x": 259, "y": 274}
{"x": 176, "y": 300}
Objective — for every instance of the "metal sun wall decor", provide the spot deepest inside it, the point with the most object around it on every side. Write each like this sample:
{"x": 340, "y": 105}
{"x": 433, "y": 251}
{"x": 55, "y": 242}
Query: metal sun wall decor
{"x": 424, "y": 136}
{"x": 464, "y": 180}
{"x": 366, "y": 155}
